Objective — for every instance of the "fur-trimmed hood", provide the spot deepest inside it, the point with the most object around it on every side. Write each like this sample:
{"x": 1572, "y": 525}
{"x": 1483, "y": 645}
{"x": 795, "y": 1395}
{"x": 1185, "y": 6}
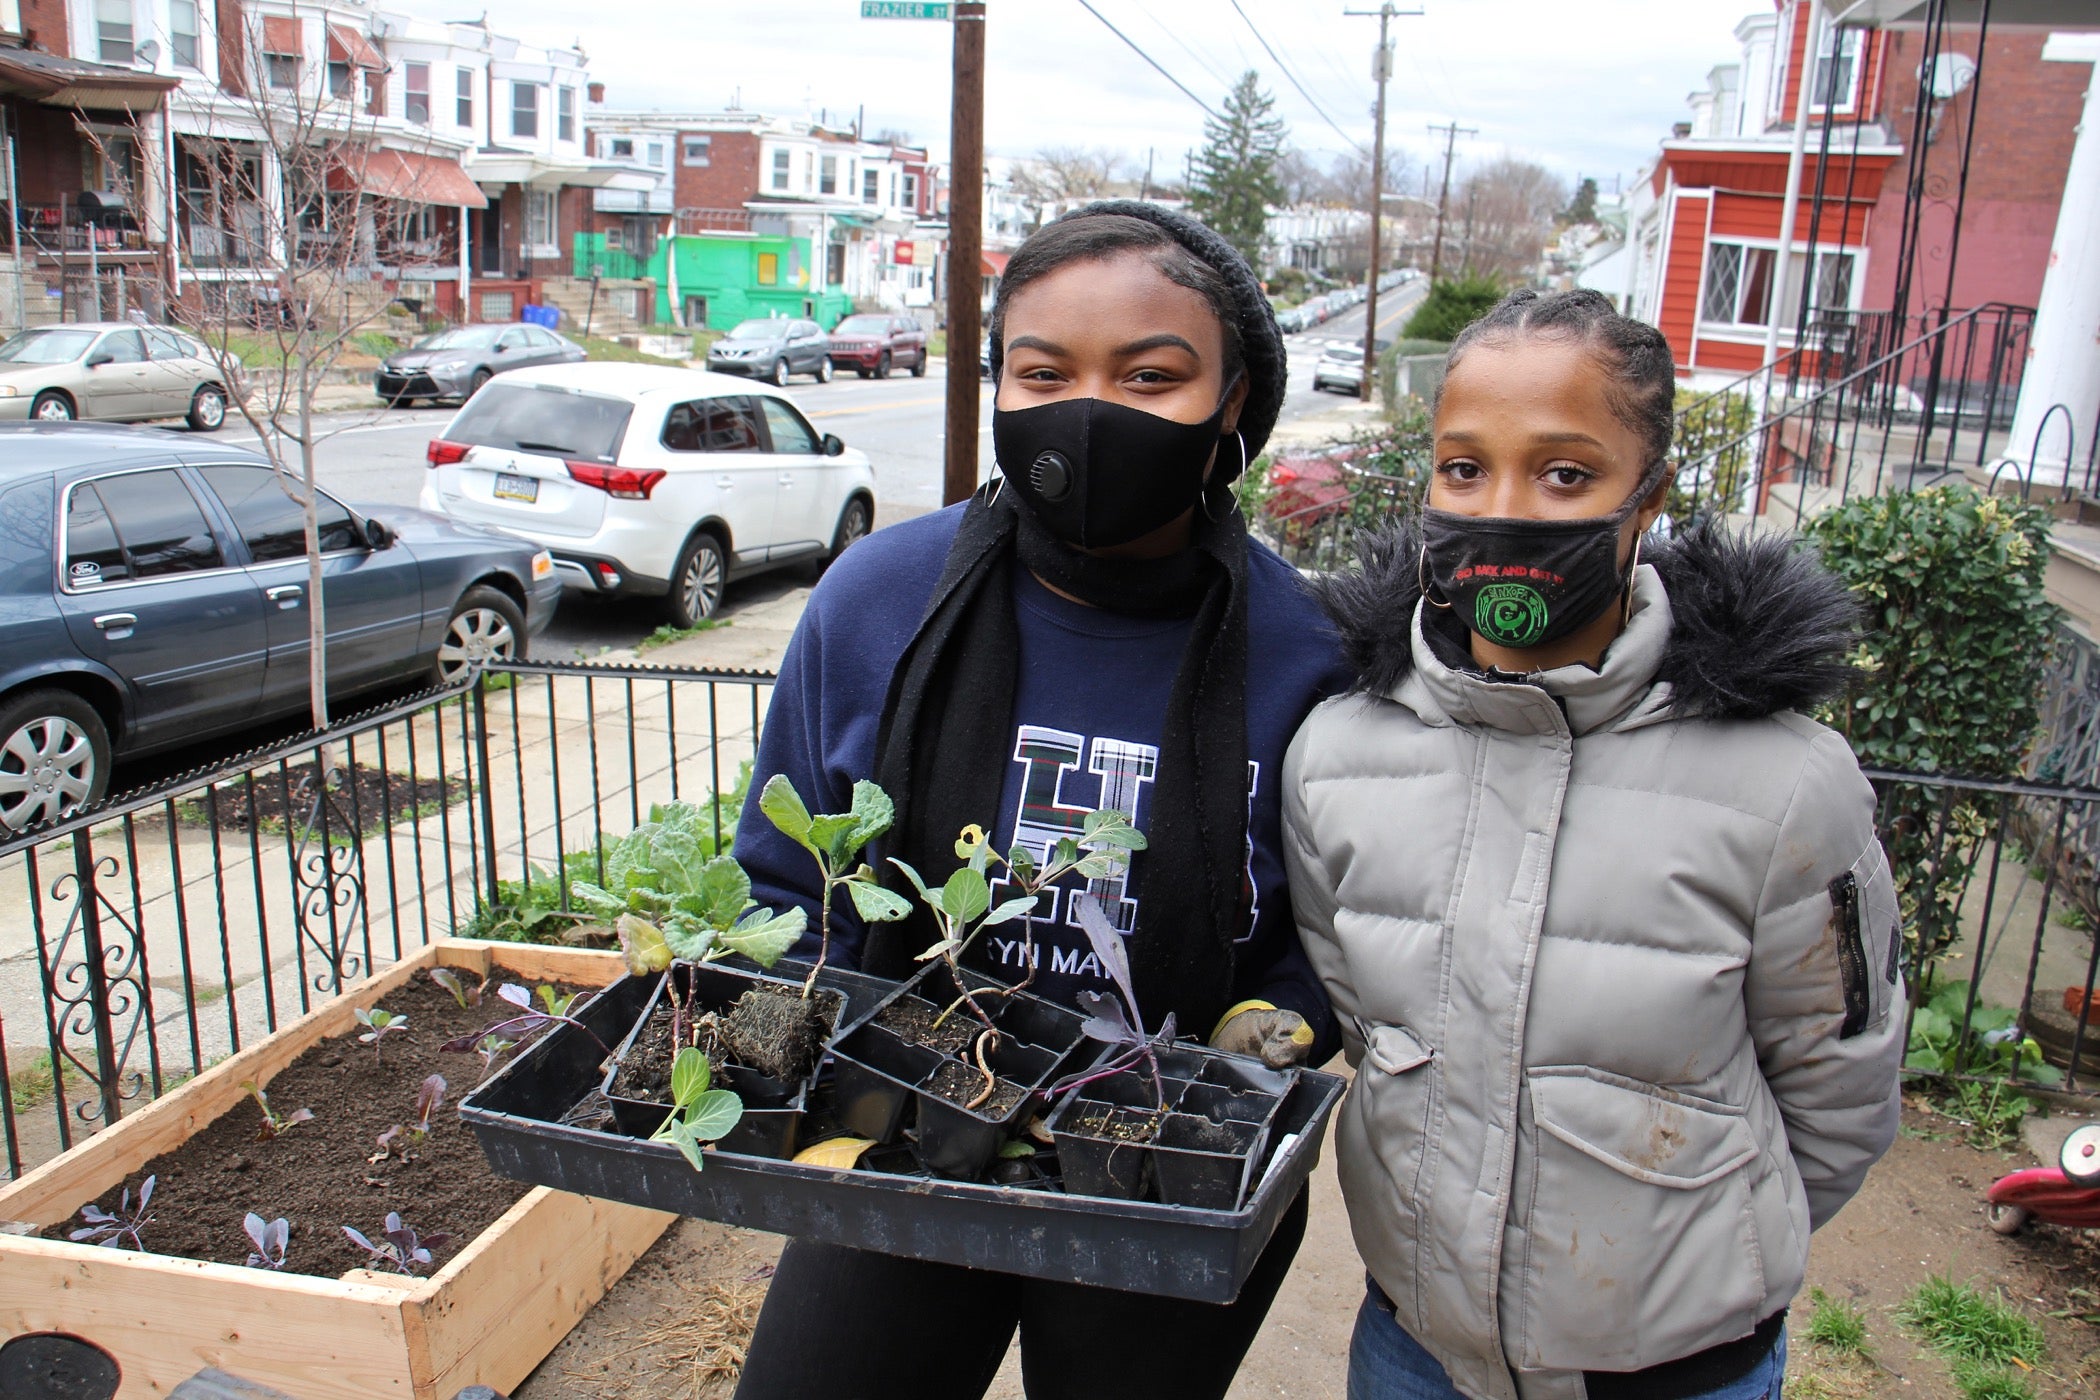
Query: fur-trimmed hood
{"x": 1757, "y": 624}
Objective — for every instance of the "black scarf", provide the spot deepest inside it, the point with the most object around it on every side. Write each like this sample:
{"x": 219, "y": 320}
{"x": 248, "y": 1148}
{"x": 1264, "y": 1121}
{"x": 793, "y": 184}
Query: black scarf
{"x": 947, "y": 737}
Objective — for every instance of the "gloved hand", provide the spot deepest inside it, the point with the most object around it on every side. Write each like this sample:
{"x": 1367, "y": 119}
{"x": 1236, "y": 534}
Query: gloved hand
{"x": 1280, "y": 1038}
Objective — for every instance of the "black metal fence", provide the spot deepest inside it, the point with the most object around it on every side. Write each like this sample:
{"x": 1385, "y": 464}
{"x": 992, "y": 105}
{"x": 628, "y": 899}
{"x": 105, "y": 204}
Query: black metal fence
{"x": 144, "y": 940}
{"x": 151, "y": 937}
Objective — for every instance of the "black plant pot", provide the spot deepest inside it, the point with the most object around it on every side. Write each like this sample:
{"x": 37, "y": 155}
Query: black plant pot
{"x": 772, "y": 1107}
{"x": 1105, "y": 1149}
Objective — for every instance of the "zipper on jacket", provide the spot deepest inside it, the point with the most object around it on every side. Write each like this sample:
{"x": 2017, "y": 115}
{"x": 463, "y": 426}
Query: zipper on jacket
{"x": 1851, "y": 954}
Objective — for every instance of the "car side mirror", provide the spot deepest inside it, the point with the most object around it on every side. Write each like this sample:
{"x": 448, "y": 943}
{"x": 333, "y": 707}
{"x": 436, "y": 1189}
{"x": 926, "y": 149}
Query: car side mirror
{"x": 97, "y": 361}
{"x": 503, "y": 349}
{"x": 832, "y": 445}
{"x": 377, "y": 535}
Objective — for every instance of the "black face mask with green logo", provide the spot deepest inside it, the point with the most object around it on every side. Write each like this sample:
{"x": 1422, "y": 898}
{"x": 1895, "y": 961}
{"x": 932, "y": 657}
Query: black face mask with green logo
{"x": 1524, "y": 583}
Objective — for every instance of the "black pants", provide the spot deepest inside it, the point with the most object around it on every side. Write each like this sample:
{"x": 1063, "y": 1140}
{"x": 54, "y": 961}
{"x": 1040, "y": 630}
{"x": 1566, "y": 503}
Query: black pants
{"x": 844, "y": 1324}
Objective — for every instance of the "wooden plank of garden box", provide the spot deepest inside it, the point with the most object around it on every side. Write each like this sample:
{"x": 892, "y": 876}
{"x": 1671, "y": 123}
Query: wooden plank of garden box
{"x": 165, "y": 1319}
{"x": 495, "y": 1311}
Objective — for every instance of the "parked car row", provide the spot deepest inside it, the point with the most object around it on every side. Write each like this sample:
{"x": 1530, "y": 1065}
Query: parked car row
{"x": 153, "y": 593}
{"x": 1320, "y": 309}
{"x": 455, "y": 363}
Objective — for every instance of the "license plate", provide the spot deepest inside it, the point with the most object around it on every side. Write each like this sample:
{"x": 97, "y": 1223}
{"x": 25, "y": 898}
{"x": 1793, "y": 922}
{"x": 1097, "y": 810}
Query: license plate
{"x": 517, "y": 488}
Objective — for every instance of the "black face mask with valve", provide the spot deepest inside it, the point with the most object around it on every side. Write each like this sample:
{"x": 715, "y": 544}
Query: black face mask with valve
{"x": 1095, "y": 473}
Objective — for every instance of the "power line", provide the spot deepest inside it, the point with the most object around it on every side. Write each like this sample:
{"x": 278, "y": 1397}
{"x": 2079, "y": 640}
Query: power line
{"x": 1294, "y": 79}
{"x": 1201, "y": 61}
{"x": 1083, "y": 4}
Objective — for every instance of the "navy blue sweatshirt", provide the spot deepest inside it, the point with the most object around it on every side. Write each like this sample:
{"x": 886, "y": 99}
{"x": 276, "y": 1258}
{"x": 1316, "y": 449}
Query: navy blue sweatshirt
{"x": 1091, "y": 695}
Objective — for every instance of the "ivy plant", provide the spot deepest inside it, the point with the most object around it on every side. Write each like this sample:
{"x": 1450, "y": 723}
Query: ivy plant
{"x": 1957, "y": 634}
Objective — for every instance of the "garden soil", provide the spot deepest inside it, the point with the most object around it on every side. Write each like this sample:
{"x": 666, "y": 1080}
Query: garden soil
{"x": 316, "y": 1174}
{"x": 672, "y": 1327}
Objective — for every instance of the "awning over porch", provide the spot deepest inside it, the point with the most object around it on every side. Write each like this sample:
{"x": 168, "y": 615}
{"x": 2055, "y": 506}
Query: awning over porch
{"x": 346, "y": 45}
{"x": 499, "y": 165}
{"x": 281, "y": 36}
{"x": 408, "y": 176}
{"x": 994, "y": 264}
{"x": 57, "y": 81}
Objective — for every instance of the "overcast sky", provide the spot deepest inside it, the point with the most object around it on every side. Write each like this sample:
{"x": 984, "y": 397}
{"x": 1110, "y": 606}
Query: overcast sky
{"x": 1583, "y": 86}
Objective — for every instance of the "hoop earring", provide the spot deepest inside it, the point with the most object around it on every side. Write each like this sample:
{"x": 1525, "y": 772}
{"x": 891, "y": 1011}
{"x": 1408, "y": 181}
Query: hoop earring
{"x": 1203, "y": 492}
{"x": 992, "y": 487}
{"x": 1422, "y": 578}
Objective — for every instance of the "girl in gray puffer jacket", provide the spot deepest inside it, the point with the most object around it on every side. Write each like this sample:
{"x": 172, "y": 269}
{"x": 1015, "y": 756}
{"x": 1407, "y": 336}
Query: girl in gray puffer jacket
{"x": 1602, "y": 914}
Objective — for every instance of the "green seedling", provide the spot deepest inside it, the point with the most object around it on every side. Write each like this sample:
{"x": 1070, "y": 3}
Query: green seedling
{"x": 835, "y": 841}
{"x": 467, "y": 997}
{"x": 378, "y": 1026}
{"x": 699, "y": 1114}
{"x": 274, "y": 1123}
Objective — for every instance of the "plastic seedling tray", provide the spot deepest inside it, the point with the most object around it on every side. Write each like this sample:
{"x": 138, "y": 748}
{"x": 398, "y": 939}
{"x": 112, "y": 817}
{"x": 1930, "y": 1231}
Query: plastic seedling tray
{"x": 1030, "y": 1229}
{"x": 772, "y": 1108}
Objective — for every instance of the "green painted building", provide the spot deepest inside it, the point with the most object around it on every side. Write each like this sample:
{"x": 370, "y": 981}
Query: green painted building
{"x": 719, "y": 279}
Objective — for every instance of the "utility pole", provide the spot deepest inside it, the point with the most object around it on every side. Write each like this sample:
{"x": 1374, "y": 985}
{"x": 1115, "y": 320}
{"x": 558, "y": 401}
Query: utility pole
{"x": 1452, "y": 131}
{"x": 965, "y": 249}
{"x": 1381, "y": 70}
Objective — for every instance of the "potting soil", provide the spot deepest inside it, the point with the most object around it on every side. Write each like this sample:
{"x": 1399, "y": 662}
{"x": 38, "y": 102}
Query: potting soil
{"x": 316, "y": 1174}
{"x": 960, "y": 1084}
{"x": 645, "y": 1073}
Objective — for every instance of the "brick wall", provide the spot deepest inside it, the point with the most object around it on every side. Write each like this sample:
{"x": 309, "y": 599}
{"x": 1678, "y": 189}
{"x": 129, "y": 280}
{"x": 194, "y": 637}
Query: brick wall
{"x": 2027, "y": 113}
{"x": 728, "y": 179}
{"x": 44, "y": 22}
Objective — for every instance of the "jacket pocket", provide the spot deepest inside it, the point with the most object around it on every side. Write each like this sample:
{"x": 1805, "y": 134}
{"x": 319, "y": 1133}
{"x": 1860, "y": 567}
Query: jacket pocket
{"x": 1384, "y": 1157}
{"x": 1867, "y": 926}
{"x": 1640, "y": 1245}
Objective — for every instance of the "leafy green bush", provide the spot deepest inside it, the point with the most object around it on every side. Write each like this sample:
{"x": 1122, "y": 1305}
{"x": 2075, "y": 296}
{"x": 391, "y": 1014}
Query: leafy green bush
{"x": 1996, "y": 1050}
{"x": 1713, "y": 451}
{"x": 1451, "y": 306}
{"x": 1958, "y": 633}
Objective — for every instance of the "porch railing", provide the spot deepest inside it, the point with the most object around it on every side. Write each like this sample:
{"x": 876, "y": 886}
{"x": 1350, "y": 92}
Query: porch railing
{"x": 145, "y": 940}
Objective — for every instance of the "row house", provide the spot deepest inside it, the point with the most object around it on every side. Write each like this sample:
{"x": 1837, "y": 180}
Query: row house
{"x": 766, "y": 215}
{"x": 83, "y": 96}
{"x": 1703, "y": 223}
{"x": 1317, "y": 238}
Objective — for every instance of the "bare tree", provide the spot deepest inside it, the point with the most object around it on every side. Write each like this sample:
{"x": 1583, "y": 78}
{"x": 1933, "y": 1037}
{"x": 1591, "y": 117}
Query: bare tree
{"x": 283, "y": 212}
{"x": 1059, "y": 173}
{"x": 1503, "y": 214}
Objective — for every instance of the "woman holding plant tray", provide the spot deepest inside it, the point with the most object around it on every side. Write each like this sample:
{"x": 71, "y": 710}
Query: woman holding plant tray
{"x": 1091, "y": 631}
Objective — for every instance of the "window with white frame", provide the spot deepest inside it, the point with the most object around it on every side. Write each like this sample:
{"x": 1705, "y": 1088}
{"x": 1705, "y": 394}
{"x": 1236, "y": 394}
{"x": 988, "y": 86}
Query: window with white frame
{"x": 525, "y": 109}
{"x": 828, "y": 182}
{"x": 698, "y": 150}
{"x": 781, "y": 159}
{"x": 539, "y": 218}
{"x": 619, "y": 148}
{"x": 1837, "y": 60}
{"x": 182, "y": 32}
{"x": 1739, "y": 284}
{"x": 415, "y": 88}
{"x": 463, "y": 101}
{"x": 911, "y": 191}
{"x": 113, "y": 31}
{"x": 565, "y": 114}
{"x": 655, "y": 156}
{"x": 871, "y": 186}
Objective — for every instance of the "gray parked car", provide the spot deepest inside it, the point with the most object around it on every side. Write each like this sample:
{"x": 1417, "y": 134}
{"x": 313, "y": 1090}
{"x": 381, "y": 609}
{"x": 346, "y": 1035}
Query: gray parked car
{"x": 773, "y": 349}
{"x": 454, "y": 363}
{"x": 153, "y": 593}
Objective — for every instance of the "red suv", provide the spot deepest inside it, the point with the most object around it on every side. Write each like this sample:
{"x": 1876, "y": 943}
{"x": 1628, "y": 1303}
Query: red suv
{"x": 875, "y": 344}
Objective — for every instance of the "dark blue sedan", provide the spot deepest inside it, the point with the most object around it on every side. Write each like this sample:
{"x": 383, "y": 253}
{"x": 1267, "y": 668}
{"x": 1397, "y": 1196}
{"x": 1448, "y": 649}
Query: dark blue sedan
{"x": 153, "y": 593}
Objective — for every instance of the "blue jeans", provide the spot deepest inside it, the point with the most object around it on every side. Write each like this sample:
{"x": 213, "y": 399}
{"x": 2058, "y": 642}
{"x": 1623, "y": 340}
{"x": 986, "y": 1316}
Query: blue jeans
{"x": 1387, "y": 1364}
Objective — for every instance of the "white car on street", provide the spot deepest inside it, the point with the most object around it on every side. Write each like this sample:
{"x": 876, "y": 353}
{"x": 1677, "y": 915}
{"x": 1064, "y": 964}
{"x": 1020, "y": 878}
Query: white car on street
{"x": 647, "y": 481}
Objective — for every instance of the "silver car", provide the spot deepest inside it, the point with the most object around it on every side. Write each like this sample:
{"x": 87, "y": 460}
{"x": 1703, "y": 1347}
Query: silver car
{"x": 114, "y": 371}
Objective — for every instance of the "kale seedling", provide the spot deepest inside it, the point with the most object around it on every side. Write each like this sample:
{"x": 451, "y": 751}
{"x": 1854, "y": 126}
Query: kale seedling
{"x": 429, "y": 1096}
{"x": 529, "y": 1018}
{"x": 274, "y": 1123}
{"x": 491, "y": 1048}
{"x": 467, "y": 997}
{"x": 1116, "y": 1024}
{"x": 1101, "y": 851}
{"x": 378, "y": 1026}
{"x": 401, "y": 1248}
{"x": 105, "y": 1229}
{"x": 705, "y": 924}
{"x": 698, "y": 1114}
{"x": 271, "y": 1239}
{"x": 835, "y": 841}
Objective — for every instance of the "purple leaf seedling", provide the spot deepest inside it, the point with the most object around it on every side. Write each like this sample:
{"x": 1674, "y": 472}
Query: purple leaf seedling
{"x": 552, "y": 1011}
{"x": 378, "y": 1026}
{"x": 1115, "y": 1023}
{"x": 274, "y": 1123}
{"x": 400, "y": 1248}
{"x": 270, "y": 1239}
{"x": 429, "y": 1096}
{"x": 103, "y": 1228}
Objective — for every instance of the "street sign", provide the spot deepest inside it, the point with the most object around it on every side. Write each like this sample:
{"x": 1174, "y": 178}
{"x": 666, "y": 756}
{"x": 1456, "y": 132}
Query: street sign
{"x": 906, "y": 254}
{"x": 906, "y": 9}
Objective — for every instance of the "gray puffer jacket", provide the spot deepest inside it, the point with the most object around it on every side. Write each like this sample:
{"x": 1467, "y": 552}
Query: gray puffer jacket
{"x": 1615, "y": 953}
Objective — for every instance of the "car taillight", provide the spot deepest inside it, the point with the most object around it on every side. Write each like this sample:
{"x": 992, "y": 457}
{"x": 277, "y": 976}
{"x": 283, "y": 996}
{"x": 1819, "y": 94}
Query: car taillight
{"x": 442, "y": 453}
{"x": 622, "y": 483}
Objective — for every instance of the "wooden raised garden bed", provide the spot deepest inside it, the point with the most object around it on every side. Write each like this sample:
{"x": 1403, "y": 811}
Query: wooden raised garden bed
{"x": 489, "y": 1315}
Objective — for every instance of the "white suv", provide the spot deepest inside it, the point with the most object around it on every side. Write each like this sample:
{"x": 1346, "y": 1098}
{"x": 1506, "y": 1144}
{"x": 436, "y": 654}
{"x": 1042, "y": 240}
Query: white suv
{"x": 649, "y": 481}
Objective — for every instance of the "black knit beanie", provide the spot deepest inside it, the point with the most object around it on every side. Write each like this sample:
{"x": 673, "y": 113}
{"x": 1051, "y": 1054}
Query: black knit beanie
{"x": 1261, "y": 342}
